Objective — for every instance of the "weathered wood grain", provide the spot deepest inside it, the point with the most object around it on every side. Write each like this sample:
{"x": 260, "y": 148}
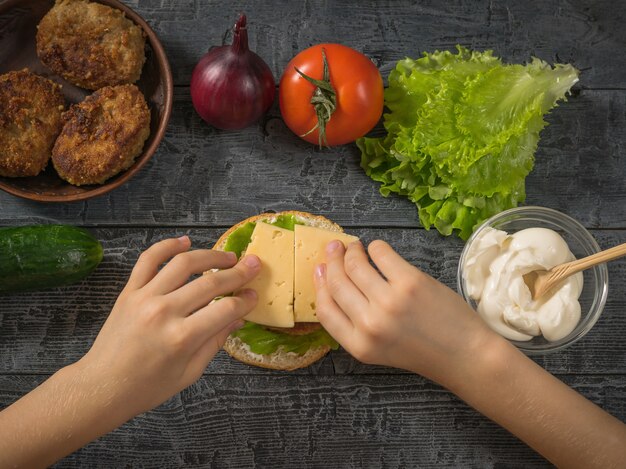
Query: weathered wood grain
{"x": 586, "y": 34}
{"x": 343, "y": 421}
{"x": 204, "y": 177}
{"x": 43, "y": 331}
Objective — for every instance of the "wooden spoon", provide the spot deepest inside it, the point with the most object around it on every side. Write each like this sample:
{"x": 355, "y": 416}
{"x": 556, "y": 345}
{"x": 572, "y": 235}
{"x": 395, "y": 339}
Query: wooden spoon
{"x": 540, "y": 282}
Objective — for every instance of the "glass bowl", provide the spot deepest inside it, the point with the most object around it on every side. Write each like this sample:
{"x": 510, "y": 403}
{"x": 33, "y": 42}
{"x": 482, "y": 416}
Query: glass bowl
{"x": 580, "y": 242}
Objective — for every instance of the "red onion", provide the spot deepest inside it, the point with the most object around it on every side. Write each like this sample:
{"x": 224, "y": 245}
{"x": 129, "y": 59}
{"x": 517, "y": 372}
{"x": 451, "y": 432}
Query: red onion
{"x": 231, "y": 86}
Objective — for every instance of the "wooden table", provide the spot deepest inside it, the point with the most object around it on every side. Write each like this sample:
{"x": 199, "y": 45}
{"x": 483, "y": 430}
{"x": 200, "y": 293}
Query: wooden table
{"x": 337, "y": 413}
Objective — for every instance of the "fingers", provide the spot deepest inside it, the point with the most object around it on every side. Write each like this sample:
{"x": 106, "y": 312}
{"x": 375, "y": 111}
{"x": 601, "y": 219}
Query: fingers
{"x": 361, "y": 272}
{"x": 334, "y": 320}
{"x": 213, "y": 318}
{"x": 201, "y": 291}
{"x": 345, "y": 293}
{"x": 389, "y": 262}
{"x": 177, "y": 272}
{"x": 207, "y": 351}
{"x": 151, "y": 259}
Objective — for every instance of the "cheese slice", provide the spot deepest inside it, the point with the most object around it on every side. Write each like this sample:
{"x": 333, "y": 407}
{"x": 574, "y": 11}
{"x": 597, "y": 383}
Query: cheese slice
{"x": 310, "y": 250}
{"x": 274, "y": 284}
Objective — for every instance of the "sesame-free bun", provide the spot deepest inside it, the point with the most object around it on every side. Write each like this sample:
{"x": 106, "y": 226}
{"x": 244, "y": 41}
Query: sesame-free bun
{"x": 304, "y": 217}
{"x": 279, "y": 360}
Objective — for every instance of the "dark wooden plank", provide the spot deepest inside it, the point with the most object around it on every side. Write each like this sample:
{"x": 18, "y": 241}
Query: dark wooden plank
{"x": 43, "y": 331}
{"x": 587, "y": 34}
{"x": 342, "y": 421}
{"x": 201, "y": 176}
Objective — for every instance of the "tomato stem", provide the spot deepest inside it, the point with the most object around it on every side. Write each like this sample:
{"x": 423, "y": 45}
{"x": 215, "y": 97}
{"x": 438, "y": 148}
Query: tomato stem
{"x": 324, "y": 100}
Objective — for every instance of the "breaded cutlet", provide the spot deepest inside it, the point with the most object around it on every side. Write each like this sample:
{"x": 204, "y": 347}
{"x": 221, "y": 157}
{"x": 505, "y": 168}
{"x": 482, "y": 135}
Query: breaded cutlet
{"x": 31, "y": 107}
{"x": 91, "y": 45}
{"x": 102, "y": 135}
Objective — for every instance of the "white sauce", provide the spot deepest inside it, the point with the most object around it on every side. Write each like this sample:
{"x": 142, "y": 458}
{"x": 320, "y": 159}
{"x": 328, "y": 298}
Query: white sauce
{"x": 493, "y": 270}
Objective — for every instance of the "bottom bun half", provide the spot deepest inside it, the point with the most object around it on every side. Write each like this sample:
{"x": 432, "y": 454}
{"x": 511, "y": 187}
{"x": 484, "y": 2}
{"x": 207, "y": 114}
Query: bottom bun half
{"x": 278, "y": 360}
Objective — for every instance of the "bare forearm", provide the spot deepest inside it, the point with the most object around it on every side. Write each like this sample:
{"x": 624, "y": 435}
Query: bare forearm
{"x": 67, "y": 411}
{"x": 159, "y": 338}
{"x": 556, "y": 421}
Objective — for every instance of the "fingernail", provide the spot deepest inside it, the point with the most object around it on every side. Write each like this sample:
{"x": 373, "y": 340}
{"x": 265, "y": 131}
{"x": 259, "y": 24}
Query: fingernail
{"x": 333, "y": 246}
{"x": 184, "y": 239}
{"x": 231, "y": 255}
{"x": 249, "y": 293}
{"x": 235, "y": 325}
{"x": 252, "y": 261}
{"x": 356, "y": 243}
{"x": 320, "y": 272}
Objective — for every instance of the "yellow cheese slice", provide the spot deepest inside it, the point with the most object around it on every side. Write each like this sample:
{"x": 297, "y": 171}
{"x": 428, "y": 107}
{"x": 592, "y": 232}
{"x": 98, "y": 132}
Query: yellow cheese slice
{"x": 274, "y": 284}
{"x": 310, "y": 250}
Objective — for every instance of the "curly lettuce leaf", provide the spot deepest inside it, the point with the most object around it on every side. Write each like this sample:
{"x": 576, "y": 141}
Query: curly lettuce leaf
{"x": 462, "y": 133}
{"x": 264, "y": 341}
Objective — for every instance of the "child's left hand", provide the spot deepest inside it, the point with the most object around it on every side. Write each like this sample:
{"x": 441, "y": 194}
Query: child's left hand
{"x": 159, "y": 338}
{"x": 164, "y": 330}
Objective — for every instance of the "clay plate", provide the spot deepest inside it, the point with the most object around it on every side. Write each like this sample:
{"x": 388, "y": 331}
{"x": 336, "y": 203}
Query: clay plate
{"x": 18, "y": 27}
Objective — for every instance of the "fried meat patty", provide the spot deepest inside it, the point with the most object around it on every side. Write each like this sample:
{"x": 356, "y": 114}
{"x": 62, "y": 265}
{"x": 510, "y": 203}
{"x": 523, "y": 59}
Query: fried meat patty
{"x": 91, "y": 45}
{"x": 31, "y": 107}
{"x": 102, "y": 135}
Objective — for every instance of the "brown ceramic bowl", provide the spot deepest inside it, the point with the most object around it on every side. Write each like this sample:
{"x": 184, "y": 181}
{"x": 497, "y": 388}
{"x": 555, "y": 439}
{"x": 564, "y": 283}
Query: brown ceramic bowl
{"x": 18, "y": 27}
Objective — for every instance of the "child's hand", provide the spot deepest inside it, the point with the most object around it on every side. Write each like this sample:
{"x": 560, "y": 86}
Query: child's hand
{"x": 402, "y": 318}
{"x": 163, "y": 329}
{"x": 158, "y": 339}
{"x": 409, "y": 320}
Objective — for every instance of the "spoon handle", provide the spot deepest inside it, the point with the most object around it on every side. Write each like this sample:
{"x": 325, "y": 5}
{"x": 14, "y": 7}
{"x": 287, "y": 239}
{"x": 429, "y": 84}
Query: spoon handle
{"x": 571, "y": 268}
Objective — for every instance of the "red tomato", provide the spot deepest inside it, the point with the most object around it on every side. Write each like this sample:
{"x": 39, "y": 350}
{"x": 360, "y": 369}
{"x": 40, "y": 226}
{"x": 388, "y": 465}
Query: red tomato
{"x": 357, "y": 84}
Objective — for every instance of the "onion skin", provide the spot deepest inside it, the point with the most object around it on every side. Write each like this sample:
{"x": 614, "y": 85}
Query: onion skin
{"x": 231, "y": 86}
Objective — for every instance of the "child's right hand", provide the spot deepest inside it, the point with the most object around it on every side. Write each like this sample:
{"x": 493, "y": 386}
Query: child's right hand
{"x": 403, "y": 318}
{"x": 406, "y": 319}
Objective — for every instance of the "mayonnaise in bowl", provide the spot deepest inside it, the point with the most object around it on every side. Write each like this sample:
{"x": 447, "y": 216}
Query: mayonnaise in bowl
{"x": 493, "y": 272}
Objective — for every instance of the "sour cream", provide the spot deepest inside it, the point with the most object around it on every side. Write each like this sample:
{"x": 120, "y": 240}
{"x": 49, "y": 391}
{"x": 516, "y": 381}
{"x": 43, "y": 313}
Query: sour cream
{"x": 493, "y": 270}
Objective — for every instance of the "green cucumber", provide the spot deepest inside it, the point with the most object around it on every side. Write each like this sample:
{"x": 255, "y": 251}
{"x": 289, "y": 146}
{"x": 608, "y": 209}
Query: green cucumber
{"x": 46, "y": 256}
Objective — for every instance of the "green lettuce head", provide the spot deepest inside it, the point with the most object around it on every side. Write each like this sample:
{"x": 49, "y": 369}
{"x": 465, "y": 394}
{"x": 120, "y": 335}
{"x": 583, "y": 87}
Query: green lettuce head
{"x": 462, "y": 130}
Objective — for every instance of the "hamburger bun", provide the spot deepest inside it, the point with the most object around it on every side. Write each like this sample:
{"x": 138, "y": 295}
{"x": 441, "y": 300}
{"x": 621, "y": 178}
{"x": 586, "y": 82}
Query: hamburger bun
{"x": 279, "y": 360}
